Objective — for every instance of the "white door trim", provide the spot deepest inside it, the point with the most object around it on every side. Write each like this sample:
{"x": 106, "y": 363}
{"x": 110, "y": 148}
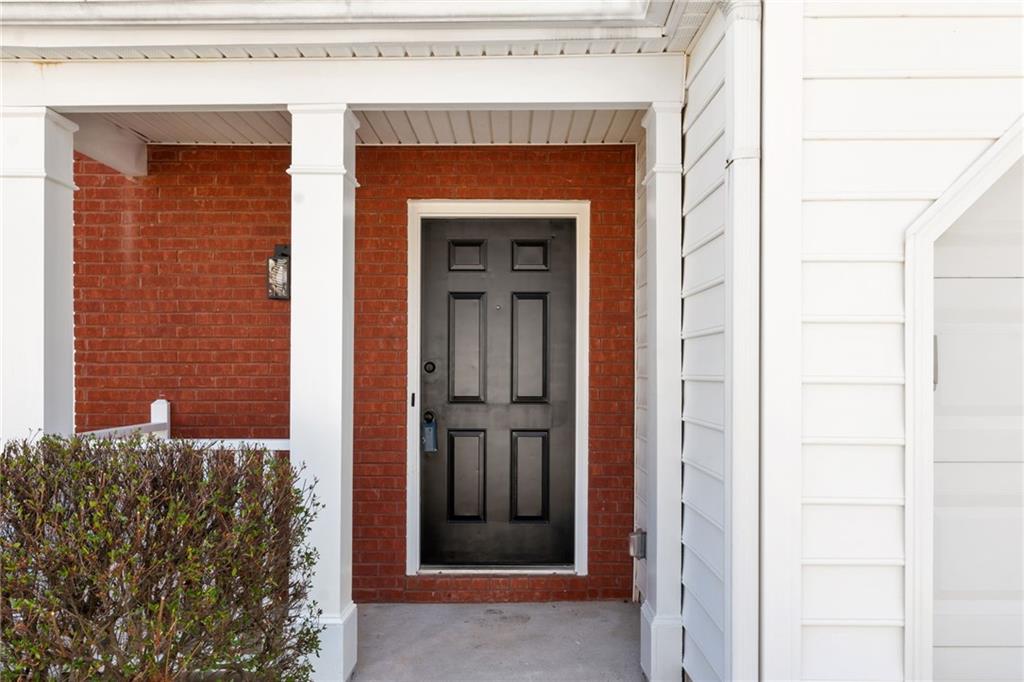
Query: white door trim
{"x": 446, "y": 208}
{"x": 919, "y": 411}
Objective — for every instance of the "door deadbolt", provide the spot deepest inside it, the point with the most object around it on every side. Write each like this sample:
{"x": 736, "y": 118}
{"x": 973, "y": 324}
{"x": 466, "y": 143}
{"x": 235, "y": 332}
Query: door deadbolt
{"x": 429, "y": 367}
{"x": 429, "y": 433}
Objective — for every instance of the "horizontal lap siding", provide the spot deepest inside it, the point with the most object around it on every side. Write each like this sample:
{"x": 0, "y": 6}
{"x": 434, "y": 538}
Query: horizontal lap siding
{"x": 894, "y": 109}
{"x": 703, "y": 296}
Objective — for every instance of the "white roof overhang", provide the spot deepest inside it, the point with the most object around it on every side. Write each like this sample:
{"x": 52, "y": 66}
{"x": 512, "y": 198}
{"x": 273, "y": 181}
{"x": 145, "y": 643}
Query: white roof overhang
{"x": 270, "y": 29}
{"x": 135, "y": 12}
{"x": 376, "y": 127}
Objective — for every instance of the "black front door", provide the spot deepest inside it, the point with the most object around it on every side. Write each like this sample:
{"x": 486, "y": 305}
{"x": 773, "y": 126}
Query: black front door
{"x": 498, "y": 382}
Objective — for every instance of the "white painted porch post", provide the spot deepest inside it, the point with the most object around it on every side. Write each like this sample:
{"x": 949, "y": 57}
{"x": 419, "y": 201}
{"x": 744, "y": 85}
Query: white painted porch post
{"x": 36, "y": 322}
{"x": 322, "y": 282}
{"x": 661, "y": 633}
{"x": 742, "y": 90}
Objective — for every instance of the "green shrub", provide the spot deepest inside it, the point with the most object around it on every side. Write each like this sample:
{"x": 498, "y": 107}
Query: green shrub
{"x": 153, "y": 560}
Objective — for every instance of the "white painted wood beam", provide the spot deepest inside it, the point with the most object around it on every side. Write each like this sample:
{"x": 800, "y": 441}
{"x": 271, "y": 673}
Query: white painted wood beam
{"x": 609, "y": 82}
{"x": 322, "y": 315}
{"x": 36, "y": 321}
{"x": 661, "y": 630}
{"x": 102, "y": 141}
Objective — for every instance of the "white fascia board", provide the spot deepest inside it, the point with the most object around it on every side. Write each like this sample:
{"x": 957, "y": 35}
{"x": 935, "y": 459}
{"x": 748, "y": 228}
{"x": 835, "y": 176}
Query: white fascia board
{"x": 614, "y": 81}
{"x": 251, "y": 35}
{"x": 102, "y": 141}
{"x": 237, "y": 12}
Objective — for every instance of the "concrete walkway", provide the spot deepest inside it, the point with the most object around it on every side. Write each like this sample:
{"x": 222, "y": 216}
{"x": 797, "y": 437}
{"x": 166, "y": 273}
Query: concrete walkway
{"x": 563, "y": 641}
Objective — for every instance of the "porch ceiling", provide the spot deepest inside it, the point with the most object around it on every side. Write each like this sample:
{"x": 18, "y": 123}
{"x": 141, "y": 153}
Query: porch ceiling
{"x": 226, "y": 29}
{"x": 388, "y": 127}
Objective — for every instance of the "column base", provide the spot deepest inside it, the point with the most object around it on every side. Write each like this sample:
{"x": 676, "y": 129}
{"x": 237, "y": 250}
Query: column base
{"x": 337, "y": 657}
{"x": 661, "y": 645}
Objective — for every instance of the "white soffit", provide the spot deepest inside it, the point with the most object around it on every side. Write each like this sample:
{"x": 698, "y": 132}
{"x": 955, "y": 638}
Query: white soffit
{"x": 390, "y": 127}
{"x": 321, "y": 29}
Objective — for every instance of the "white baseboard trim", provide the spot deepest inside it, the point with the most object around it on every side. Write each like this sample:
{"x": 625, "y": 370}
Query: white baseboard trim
{"x": 337, "y": 657}
{"x": 661, "y": 645}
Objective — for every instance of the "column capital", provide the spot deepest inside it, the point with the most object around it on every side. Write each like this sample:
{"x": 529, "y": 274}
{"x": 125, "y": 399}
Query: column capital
{"x": 324, "y": 108}
{"x": 663, "y": 125}
{"x": 322, "y": 169}
{"x": 658, "y": 108}
{"x": 327, "y": 109}
{"x": 323, "y": 140}
{"x": 30, "y": 131}
{"x": 745, "y": 10}
{"x": 39, "y": 112}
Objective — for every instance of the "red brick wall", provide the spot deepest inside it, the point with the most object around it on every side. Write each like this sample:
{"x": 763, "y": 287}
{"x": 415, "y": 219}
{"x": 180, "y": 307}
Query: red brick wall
{"x": 170, "y": 294}
{"x": 388, "y": 177}
{"x": 169, "y": 299}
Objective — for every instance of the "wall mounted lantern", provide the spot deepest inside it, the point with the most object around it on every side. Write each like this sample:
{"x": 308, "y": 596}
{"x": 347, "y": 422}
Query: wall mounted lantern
{"x": 279, "y": 285}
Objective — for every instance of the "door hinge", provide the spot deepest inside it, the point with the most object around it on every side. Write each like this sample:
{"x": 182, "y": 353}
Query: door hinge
{"x": 638, "y": 544}
{"x": 935, "y": 362}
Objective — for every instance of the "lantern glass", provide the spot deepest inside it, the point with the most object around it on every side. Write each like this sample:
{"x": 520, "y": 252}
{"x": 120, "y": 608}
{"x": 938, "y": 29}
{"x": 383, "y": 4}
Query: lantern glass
{"x": 279, "y": 274}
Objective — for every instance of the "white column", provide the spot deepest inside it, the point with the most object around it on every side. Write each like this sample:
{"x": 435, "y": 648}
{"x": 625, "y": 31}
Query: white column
{"x": 661, "y": 633}
{"x": 322, "y": 282}
{"x": 36, "y": 322}
{"x": 742, "y": 90}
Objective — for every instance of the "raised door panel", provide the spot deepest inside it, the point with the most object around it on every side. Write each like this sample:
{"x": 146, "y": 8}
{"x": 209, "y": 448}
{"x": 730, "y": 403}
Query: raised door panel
{"x": 530, "y": 477}
{"x": 466, "y": 347}
{"x": 529, "y": 347}
{"x": 467, "y": 466}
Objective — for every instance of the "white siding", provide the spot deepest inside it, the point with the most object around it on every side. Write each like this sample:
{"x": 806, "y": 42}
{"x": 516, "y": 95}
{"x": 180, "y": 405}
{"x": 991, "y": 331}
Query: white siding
{"x": 897, "y": 102}
{"x": 640, "y": 415}
{"x": 704, "y": 350}
{"x": 979, "y": 439}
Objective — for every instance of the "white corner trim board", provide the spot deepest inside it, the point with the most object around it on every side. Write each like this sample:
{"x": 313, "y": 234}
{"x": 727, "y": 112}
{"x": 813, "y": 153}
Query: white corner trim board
{"x": 742, "y": 90}
{"x": 781, "y": 341}
{"x": 919, "y": 411}
{"x": 445, "y": 208}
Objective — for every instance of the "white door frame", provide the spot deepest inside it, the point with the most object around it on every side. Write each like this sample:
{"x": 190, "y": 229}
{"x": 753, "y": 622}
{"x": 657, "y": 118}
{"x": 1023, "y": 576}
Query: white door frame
{"x": 450, "y": 208}
{"x": 919, "y": 412}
